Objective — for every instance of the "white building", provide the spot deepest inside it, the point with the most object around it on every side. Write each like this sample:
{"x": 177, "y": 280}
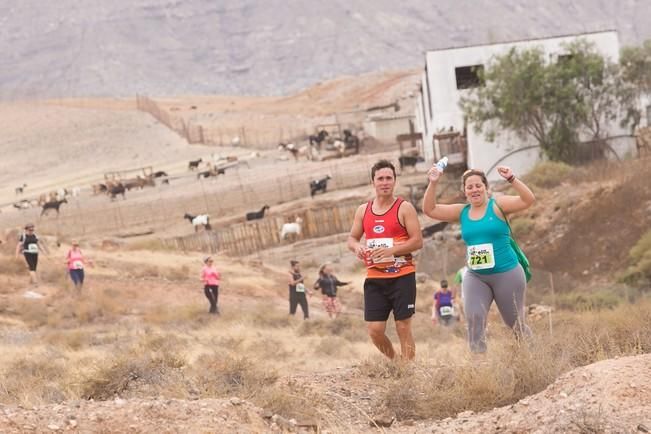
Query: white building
{"x": 452, "y": 71}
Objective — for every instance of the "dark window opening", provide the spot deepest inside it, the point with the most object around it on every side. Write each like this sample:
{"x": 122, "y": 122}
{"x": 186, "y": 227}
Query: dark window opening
{"x": 469, "y": 76}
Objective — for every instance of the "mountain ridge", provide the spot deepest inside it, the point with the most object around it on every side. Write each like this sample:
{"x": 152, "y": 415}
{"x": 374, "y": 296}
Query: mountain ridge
{"x": 255, "y": 47}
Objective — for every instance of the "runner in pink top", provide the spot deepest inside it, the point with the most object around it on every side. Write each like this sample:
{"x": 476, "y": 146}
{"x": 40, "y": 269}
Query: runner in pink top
{"x": 75, "y": 262}
{"x": 210, "y": 277}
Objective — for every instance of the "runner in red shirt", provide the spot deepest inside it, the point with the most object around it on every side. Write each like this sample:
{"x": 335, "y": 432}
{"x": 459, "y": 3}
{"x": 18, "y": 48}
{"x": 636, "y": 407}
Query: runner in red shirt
{"x": 392, "y": 232}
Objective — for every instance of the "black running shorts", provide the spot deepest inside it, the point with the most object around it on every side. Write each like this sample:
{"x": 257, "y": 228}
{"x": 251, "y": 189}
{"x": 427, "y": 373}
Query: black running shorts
{"x": 381, "y": 296}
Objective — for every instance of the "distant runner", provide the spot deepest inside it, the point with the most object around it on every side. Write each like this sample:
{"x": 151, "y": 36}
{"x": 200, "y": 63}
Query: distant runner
{"x": 75, "y": 262}
{"x": 29, "y": 245}
{"x": 328, "y": 284}
{"x": 392, "y": 232}
{"x": 297, "y": 290}
{"x": 493, "y": 269}
{"x": 210, "y": 277}
{"x": 443, "y": 306}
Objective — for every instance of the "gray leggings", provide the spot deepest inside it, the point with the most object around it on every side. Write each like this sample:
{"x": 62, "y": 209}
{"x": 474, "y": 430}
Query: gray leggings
{"x": 479, "y": 291}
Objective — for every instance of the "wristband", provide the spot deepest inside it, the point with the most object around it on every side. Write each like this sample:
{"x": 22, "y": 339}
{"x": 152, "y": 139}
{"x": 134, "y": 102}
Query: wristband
{"x": 510, "y": 179}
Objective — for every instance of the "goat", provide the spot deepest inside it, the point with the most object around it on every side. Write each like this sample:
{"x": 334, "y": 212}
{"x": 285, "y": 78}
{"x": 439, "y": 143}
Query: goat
{"x": 159, "y": 174}
{"x": 53, "y": 205}
{"x": 316, "y": 140}
{"x": 114, "y": 189}
{"x": 296, "y": 152}
{"x": 432, "y": 229}
{"x": 319, "y": 185}
{"x": 255, "y": 215}
{"x": 199, "y": 220}
{"x": 194, "y": 164}
{"x": 409, "y": 160}
{"x": 291, "y": 228}
{"x": 21, "y": 189}
{"x": 211, "y": 172}
{"x": 99, "y": 188}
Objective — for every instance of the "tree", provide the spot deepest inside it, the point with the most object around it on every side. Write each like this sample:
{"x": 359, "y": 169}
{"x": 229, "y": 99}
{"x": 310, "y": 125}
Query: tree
{"x": 555, "y": 103}
{"x": 636, "y": 73}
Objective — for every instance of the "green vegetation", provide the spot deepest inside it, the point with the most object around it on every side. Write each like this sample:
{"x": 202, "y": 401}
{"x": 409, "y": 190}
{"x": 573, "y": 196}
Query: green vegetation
{"x": 639, "y": 272}
{"x": 554, "y": 103}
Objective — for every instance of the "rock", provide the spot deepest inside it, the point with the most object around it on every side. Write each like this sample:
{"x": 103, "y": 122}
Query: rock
{"x": 384, "y": 420}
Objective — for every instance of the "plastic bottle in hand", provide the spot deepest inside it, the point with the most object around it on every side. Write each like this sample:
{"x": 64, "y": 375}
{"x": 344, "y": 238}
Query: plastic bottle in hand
{"x": 442, "y": 164}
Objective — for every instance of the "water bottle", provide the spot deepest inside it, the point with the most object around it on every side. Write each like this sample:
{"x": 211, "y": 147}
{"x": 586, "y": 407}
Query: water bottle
{"x": 442, "y": 164}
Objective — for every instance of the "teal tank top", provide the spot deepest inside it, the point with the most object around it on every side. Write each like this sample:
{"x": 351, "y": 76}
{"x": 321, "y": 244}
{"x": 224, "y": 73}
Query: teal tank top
{"x": 488, "y": 242}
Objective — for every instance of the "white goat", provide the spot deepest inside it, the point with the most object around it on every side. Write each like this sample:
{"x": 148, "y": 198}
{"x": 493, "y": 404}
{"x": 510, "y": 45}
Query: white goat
{"x": 201, "y": 220}
{"x": 291, "y": 228}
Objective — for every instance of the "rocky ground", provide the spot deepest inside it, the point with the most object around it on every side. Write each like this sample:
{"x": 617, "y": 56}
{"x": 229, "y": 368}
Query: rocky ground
{"x": 608, "y": 396}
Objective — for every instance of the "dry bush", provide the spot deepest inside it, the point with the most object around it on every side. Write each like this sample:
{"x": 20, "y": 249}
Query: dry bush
{"x": 38, "y": 378}
{"x": 152, "y": 367}
{"x": 220, "y": 375}
{"x": 510, "y": 370}
{"x": 290, "y": 401}
{"x": 548, "y": 174}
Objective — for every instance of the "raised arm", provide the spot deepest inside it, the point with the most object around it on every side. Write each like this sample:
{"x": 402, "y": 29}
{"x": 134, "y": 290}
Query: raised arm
{"x": 441, "y": 212}
{"x": 512, "y": 204}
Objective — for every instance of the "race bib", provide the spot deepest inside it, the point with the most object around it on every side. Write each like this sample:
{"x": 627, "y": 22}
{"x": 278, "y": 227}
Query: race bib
{"x": 32, "y": 248}
{"x": 481, "y": 257}
{"x": 375, "y": 243}
{"x": 300, "y": 287}
{"x": 77, "y": 265}
{"x": 446, "y": 310}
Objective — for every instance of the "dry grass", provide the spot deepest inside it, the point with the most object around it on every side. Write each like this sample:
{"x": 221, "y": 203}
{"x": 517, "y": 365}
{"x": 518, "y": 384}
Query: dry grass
{"x": 37, "y": 378}
{"x": 153, "y": 366}
{"x": 510, "y": 371}
{"x": 10, "y": 265}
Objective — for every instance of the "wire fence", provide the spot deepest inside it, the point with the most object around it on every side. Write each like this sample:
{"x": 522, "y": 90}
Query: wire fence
{"x": 160, "y": 207}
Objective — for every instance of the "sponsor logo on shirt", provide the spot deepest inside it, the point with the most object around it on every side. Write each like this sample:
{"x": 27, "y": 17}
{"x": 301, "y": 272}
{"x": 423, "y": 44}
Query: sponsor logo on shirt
{"x": 378, "y": 229}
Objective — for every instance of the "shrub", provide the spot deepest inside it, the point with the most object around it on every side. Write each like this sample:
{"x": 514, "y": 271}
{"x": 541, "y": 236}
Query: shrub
{"x": 639, "y": 271}
{"x": 137, "y": 371}
{"x": 548, "y": 174}
{"x": 38, "y": 378}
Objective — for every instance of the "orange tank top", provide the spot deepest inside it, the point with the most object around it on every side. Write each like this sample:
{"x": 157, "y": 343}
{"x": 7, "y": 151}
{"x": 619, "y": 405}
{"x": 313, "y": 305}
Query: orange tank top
{"x": 385, "y": 230}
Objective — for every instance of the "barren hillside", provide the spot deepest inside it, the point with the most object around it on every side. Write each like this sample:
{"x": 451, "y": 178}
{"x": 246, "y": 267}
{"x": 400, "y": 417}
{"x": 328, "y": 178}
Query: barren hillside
{"x": 255, "y": 47}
